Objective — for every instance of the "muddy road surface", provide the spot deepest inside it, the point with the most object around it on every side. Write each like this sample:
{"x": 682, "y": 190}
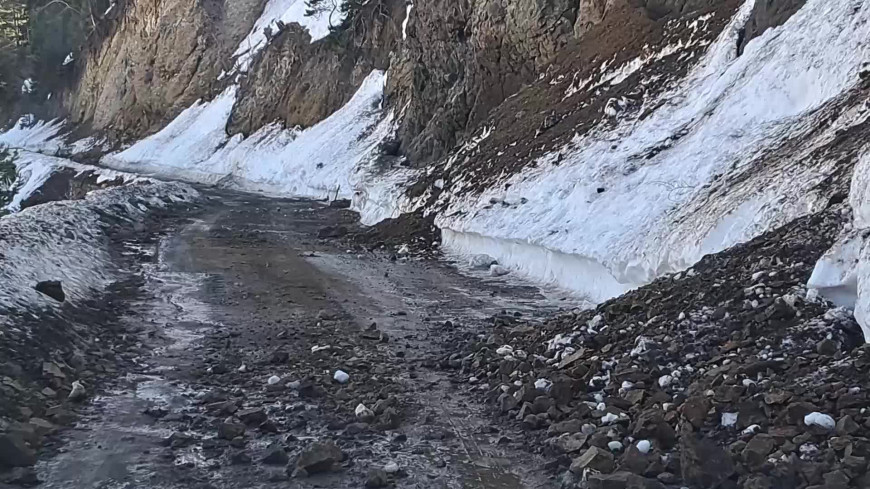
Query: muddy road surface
{"x": 275, "y": 358}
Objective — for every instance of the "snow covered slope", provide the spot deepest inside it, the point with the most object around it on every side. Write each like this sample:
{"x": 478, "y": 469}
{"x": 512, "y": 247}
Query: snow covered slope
{"x": 334, "y": 158}
{"x": 71, "y": 239}
{"x": 704, "y": 168}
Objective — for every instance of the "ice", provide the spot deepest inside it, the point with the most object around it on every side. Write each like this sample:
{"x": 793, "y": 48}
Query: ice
{"x": 688, "y": 179}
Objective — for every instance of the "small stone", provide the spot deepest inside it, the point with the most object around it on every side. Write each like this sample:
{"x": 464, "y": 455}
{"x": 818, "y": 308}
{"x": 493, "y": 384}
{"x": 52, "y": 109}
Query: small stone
{"x": 594, "y": 458}
{"x": 377, "y": 478}
{"x": 78, "y": 392}
{"x": 644, "y": 446}
{"x": 341, "y": 376}
{"x": 821, "y": 420}
{"x": 240, "y": 458}
{"x": 276, "y": 455}
{"x": 14, "y": 452}
{"x": 229, "y": 431}
{"x": 251, "y": 417}
{"x": 391, "y": 468}
{"x": 827, "y": 347}
{"x": 319, "y": 457}
{"x": 364, "y": 414}
{"x": 847, "y": 426}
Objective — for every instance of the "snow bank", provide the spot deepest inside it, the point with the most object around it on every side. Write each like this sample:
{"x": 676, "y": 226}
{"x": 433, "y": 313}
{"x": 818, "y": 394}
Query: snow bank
{"x": 842, "y": 275}
{"x": 66, "y": 241}
{"x": 34, "y": 170}
{"x": 334, "y": 158}
{"x": 32, "y": 135}
{"x": 658, "y": 211}
{"x": 286, "y": 12}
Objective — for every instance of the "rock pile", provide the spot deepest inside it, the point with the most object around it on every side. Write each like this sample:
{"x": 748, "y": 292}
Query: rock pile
{"x": 724, "y": 375}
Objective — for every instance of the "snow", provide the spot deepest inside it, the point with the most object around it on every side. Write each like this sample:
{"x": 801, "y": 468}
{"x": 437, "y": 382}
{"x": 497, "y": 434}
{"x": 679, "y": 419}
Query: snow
{"x": 407, "y": 19}
{"x": 34, "y": 169}
{"x": 842, "y": 275}
{"x": 69, "y": 59}
{"x": 334, "y": 158}
{"x": 705, "y": 188}
{"x": 32, "y": 135}
{"x": 286, "y": 12}
{"x": 729, "y": 419}
{"x": 72, "y": 237}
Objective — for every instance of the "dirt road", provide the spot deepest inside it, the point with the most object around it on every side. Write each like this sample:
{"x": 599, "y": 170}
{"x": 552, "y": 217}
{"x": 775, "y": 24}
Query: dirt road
{"x": 244, "y": 317}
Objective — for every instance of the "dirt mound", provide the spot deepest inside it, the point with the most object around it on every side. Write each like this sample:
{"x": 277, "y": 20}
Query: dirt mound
{"x": 409, "y": 233}
{"x": 724, "y": 375}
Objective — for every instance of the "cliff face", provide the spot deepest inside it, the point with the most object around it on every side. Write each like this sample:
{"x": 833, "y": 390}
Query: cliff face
{"x": 159, "y": 58}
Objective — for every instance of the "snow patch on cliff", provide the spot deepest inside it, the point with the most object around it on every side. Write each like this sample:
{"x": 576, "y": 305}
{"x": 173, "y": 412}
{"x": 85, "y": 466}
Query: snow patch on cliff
{"x": 285, "y": 12}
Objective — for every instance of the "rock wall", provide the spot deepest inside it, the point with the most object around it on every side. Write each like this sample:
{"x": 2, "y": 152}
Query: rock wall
{"x": 160, "y": 57}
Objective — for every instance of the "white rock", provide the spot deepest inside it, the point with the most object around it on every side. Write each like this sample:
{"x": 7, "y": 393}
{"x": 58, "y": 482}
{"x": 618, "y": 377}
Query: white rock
{"x": 819, "y": 419}
{"x": 391, "y": 467}
{"x": 729, "y": 419}
{"x": 587, "y": 429}
{"x": 681, "y": 316}
{"x": 751, "y": 430}
{"x": 78, "y": 391}
{"x": 601, "y": 406}
{"x": 505, "y": 350}
{"x": 644, "y": 446}
{"x": 543, "y": 385}
{"x": 665, "y": 380}
{"x": 273, "y": 380}
{"x": 341, "y": 376}
{"x": 615, "y": 446}
{"x": 609, "y": 418}
{"x": 243, "y": 368}
{"x": 364, "y": 413}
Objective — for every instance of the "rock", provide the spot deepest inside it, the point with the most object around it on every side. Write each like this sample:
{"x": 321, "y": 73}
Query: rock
{"x": 377, "y": 478}
{"x": 319, "y": 457}
{"x": 594, "y": 458}
{"x": 652, "y": 424}
{"x": 252, "y": 417}
{"x": 364, "y": 414}
{"x": 14, "y": 452}
{"x": 569, "y": 442}
{"x": 756, "y": 451}
{"x": 622, "y": 480}
{"x": 341, "y": 377}
{"x": 695, "y": 410}
{"x": 644, "y": 446}
{"x": 50, "y": 369}
{"x": 78, "y": 392}
{"x": 340, "y": 204}
{"x": 704, "y": 465}
{"x": 51, "y": 288}
{"x": 569, "y": 426}
{"x": 507, "y": 402}
{"x": 177, "y": 440}
{"x": 777, "y": 397}
{"x": 797, "y": 410}
{"x": 391, "y": 468}
{"x": 240, "y": 458}
{"x": 228, "y": 431}
{"x": 836, "y": 479}
{"x": 820, "y": 420}
{"x": 276, "y": 455}
{"x": 615, "y": 446}
{"x": 331, "y": 232}
{"x": 827, "y": 347}
{"x": 273, "y": 380}
{"x": 20, "y": 476}
{"x": 847, "y": 426}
